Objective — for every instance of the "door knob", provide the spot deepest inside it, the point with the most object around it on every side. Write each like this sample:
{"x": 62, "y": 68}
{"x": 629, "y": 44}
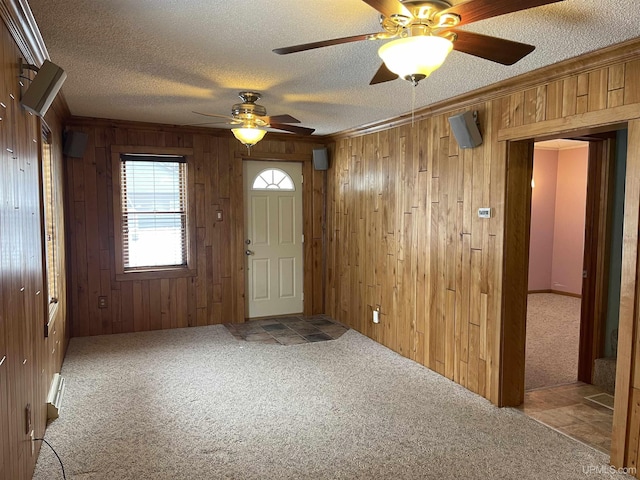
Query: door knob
{"x": 248, "y": 252}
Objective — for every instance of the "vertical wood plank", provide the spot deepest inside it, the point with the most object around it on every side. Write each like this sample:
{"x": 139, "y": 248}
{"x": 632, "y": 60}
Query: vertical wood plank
{"x": 569, "y": 96}
{"x": 517, "y": 106}
{"x": 598, "y": 89}
{"x": 631, "y": 84}
{"x": 554, "y": 100}
{"x": 473, "y": 380}
{"x": 541, "y": 103}
{"x": 449, "y": 337}
{"x": 156, "y": 304}
{"x": 616, "y": 77}
{"x": 582, "y": 86}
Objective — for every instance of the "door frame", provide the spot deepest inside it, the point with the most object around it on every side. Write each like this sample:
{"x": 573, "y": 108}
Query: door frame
{"x": 307, "y": 220}
{"x": 519, "y": 169}
{"x": 597, "y": 248}
{"x": 517, "y": 222}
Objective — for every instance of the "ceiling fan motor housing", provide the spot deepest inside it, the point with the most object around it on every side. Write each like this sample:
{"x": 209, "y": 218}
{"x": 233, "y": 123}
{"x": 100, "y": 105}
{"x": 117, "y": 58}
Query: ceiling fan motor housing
{"x": 424, "y": 14}
{"x": 248, "y": 110}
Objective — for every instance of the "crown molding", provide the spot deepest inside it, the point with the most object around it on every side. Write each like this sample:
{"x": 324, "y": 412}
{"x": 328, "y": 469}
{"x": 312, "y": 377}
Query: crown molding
{"x": 22, "y": 25}
{"x": 605, "y": 57}
{"x": 78, "y": 122}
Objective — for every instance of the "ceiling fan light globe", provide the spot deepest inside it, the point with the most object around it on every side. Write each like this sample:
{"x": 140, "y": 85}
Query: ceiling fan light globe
{"x": 415, "y": 57}
{"x": 248, "y": 136}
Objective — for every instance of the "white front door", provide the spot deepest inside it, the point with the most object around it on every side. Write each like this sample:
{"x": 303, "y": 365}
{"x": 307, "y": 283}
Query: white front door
{"x": 273, "y": 229}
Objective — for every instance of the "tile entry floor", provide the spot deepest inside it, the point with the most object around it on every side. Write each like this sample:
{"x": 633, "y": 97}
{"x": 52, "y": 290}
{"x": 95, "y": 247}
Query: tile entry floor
{"x": 566, "y": 409}
{"x": 289, "y": 330}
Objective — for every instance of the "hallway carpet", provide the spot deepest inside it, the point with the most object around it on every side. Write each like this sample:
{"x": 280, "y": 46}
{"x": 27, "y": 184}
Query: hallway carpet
{"x": 553, "y": 333}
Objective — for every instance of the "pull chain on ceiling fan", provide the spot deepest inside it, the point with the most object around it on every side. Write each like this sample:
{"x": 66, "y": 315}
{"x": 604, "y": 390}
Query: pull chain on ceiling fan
{"x": 424, "y": 34}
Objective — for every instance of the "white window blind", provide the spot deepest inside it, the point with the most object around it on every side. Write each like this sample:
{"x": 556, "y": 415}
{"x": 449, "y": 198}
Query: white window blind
{"x": 51, "y": 244}
{"x": 154, "y": 211}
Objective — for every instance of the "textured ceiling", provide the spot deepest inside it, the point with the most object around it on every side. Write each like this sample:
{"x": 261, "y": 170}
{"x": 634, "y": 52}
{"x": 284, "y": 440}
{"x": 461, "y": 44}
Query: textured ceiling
{"x": 158, "y": 60}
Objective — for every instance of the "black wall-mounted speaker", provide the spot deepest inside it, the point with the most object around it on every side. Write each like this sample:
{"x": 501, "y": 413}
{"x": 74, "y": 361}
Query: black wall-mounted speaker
{"x": 43, "y": 88}
{"x": 75, "y": 144}
{"x": 465, "y": 129}
{"x": 320, "y": 159}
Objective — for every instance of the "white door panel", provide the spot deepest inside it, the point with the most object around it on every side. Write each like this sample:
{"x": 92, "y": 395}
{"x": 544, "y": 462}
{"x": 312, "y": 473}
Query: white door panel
{"x": 287, "y": 276}
{"x": 260, "y": 279}
{"x": 259, "y": 220}
{"x": 286, "y": 223}
{"x": 273, "y": 225}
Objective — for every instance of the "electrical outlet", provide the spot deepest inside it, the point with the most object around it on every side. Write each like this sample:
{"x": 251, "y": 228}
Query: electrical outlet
{"x": 102, "y": 302}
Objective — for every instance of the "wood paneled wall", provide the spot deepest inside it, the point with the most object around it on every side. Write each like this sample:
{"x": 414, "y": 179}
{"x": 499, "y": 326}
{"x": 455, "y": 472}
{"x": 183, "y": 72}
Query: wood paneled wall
{"x": 27, "y": 359}
{"x": 216, "y": 294}
{"x": 404, "y": 235}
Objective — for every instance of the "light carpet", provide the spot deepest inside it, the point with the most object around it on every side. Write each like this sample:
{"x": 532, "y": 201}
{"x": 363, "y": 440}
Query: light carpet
{"x": 553, "y": 340}
{"x": 198, "y": 404}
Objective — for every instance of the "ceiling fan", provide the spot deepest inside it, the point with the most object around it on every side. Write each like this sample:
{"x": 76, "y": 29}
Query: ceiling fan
{"x": 425, "y": 34}
{"x": 252, "y": 119}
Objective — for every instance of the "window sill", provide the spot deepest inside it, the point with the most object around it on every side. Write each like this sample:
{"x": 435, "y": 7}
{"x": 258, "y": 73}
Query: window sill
{"x": 156, "y": 273}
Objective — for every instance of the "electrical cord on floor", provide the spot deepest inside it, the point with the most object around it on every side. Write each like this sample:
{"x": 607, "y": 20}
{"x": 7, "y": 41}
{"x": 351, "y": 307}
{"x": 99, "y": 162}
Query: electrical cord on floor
{"x": 55, "y": 453}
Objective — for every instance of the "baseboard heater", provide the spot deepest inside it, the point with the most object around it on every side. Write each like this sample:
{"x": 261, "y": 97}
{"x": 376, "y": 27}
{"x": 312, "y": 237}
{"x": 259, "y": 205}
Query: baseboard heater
{"x": 54, "y": 399}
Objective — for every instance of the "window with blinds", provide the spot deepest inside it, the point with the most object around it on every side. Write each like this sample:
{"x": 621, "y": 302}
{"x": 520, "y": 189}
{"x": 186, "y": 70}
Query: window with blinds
{"x": 154, "y": 211}
{"x": 50, "y": 230}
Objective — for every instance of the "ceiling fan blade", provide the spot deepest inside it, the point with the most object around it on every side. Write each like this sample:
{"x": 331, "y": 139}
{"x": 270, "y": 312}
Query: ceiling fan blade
{"x": 324, "y": 43}
{"x": 389, "y": 7}
{"x": 281, "y": 119}
{"x": 204, "y": 123}
{"x": 475, "y": 10}
{"x": 495, "y": 49}
{"x": 383, "y": 75}
{"x": 293, "y": 128}
{"x": 215, "y": 115}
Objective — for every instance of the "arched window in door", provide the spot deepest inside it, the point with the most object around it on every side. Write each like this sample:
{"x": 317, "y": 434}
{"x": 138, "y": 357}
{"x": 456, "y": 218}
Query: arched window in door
{"x": 273, "y": 179}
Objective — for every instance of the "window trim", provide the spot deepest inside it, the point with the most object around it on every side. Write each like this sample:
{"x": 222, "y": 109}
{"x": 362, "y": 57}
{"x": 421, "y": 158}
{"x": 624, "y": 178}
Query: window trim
{"x": 153, "y": 272}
